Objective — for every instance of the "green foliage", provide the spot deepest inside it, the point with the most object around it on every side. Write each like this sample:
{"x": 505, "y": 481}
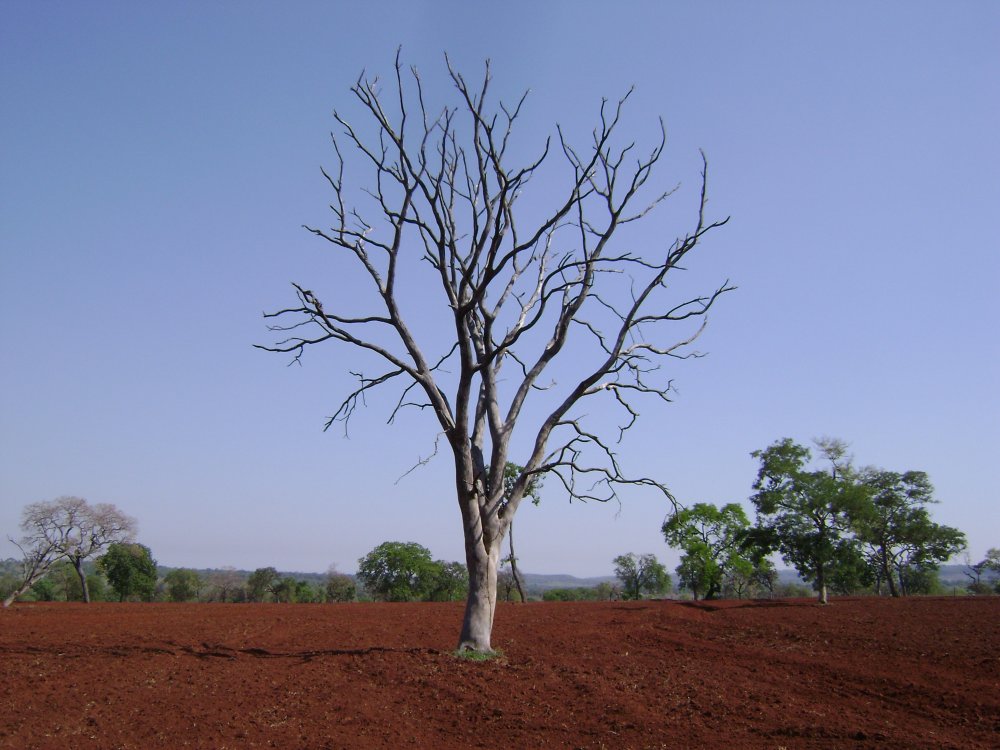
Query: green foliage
{"x": 44, "y": 590}
{"x": 448, "y": 582}
{"x": 261, "y": 583}
{"x": 576, "y": 594}
{"x": 284, "y": 590}
{"x": 469, "y": 654}
{"x": 992, "y": 559}
{"x": 182, "y": 584}
{"x": 899, "y": 540}
{"x": 639, "y": 575}
{"x": 130, "y": 569}
{"x": 66, "y": 582}
{"x": 712, "y": 542}
{"x": 398, "y": 572}
{"x": 807, "y": 513}
{"x": 340, "y": 587}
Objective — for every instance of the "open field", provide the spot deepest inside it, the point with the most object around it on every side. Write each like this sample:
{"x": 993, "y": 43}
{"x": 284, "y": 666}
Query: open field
{"x": 916, "y": 673}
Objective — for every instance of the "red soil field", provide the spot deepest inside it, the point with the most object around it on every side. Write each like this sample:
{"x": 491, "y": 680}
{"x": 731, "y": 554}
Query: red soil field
{"x": 859, "y": 673}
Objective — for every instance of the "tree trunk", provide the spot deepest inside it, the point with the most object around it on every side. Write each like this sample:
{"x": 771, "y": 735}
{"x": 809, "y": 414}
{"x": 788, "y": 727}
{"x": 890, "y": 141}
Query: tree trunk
{"x": 891, "y": 580}
{"x": 513, "y": 564}
{"x": 78, "y": 564}
{"x": 34, "y": 572}
{"x": 480, "y": 606}
{"x": 821, "y": 584}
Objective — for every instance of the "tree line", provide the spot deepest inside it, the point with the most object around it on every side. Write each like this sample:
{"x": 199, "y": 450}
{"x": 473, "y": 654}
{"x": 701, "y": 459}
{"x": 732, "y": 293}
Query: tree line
{"x": 843, "y": 528}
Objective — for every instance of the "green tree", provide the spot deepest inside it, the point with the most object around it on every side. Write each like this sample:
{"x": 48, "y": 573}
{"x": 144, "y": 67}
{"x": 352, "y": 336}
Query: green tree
{"x": 285, "y": 590}
{"x": 182, "y": 584}
{"x": 340, "y": 587}
{"x": 640, "y": 574}
{"x": 130, "y": 570}
{"x": 711, "y": 539}
{"x": 44, "y": 591}
{"x": 398, "y": 572}
{"x": 992, "y": 562}
{"x": 526, "y": 281}
{"x": 807, "y": 513}
{"x": 448, "y": 583}
{"x": 895, "y": 529}
{"x": 261, "y": 583}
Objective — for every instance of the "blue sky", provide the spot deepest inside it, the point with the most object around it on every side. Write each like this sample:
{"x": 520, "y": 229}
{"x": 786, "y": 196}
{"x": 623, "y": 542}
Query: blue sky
{"x": 157, "y": 161}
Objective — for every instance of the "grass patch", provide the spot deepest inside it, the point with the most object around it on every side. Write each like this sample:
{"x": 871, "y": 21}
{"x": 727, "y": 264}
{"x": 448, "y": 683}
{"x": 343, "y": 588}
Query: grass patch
{"x": 469, "y": 654}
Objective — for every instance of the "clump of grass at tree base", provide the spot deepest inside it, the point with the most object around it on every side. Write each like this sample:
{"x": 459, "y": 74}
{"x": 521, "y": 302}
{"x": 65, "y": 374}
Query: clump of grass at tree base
{"x": 469, "y": 654}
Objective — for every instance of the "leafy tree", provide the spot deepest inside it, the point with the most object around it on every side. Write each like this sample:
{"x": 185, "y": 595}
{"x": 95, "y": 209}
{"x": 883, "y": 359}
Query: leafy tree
{"x": 698, "y": 570}
{"x": 639, "y": 575}
{"x": 741, "y": 577}
{"x": 992, "y": 559}
{"x": 182, "y": 584}
{"x": 896, "y": 531}
{"x": 807, "y": 513}
{"x": 920, "y": 579}
{"x": 398, "y": 572}
{"x": 66, "y": 582}
{"x": 448, "y": 583}
{"x": 340, "y": 587}
{"x": 306, "y": 593}
{"x": 130, "y": 569}
{"x": 992, "y": 562}
{"x": 711, "y": 539}
{"x": 261, "y": 583}
{"x": 67, "y": 528}
{"x": 44, "y": 591}
{"x": 518, "y": 289}
{"x": 285, "y": 590}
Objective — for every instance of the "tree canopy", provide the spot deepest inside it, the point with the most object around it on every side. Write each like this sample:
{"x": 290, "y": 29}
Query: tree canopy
{"x": 130, "y": 569}
{"x": 895, "y": 529}
{"x": 710, "y": 538}
{"x": 642, "y": 574}
{"x": 808, "y": 511}
{"x": 399, "y": 572}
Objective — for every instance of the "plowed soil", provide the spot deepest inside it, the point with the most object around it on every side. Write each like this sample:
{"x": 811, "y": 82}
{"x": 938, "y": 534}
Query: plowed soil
{"x": 859, "y": 673}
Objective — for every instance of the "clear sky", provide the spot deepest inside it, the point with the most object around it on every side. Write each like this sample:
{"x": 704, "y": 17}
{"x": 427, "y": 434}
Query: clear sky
{"x": 157, "y": 161}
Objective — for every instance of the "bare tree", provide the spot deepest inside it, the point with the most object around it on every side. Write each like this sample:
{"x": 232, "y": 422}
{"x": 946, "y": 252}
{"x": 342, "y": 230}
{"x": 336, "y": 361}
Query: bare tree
{"x": 519, "y": 283}
{"x": 70, "y": 528}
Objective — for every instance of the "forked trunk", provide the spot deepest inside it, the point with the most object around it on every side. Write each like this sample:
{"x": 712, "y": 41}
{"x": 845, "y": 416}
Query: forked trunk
{"x": 480, "y": 606}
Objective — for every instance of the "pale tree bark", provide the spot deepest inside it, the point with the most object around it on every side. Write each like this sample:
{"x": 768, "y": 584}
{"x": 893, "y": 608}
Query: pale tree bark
{"x": 521, "y": 287}
{"x": 38, "y": 554}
